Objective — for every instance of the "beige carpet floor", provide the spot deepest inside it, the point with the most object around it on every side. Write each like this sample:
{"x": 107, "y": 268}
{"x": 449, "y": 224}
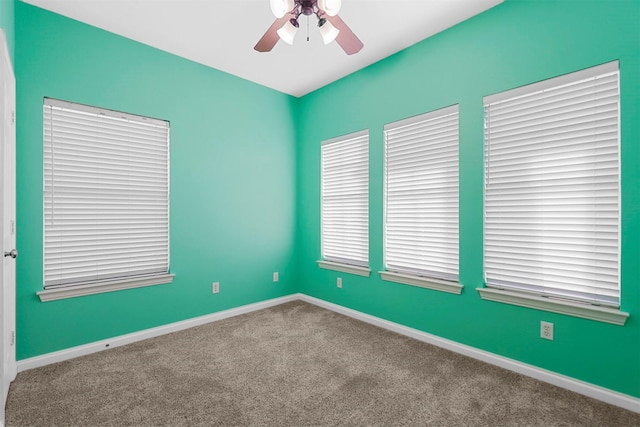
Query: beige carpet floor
{"x": 292, "y": 365}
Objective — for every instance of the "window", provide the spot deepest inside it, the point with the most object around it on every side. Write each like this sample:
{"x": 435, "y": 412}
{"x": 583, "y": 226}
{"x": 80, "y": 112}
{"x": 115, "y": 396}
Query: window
{"x": 345, "y": 203}
{"x": 552, "y": 188}
{"x": 421, "y": 198}
{"x": 106, "y": 200}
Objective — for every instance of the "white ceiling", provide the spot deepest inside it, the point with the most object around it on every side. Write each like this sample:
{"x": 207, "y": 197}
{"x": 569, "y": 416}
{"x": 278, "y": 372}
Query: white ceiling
{"x": 221, "y": 33}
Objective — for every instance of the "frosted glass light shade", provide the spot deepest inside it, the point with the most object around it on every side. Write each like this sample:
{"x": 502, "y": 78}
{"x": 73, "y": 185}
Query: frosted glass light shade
{"x": 287, "y": 32}
{"x": 331, "y": 7}
{"x": 280, "y": 7}
{"x": 328, "y": 32}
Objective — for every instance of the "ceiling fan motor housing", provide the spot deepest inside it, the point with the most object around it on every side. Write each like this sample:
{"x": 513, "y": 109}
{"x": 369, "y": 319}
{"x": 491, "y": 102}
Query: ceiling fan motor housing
{"x": 307, "y": 7}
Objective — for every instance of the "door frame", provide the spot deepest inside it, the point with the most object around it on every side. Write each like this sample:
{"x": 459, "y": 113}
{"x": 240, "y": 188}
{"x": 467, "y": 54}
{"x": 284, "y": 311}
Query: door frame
{"x": 8, "y": 366}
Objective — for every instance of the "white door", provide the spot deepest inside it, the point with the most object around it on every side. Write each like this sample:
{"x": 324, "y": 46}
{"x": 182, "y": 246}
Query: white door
{"x": 7, "y": 222}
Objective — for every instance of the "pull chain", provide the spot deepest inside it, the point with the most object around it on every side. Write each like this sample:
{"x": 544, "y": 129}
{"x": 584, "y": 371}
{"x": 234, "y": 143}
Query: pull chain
{"x": 307, "y": 27}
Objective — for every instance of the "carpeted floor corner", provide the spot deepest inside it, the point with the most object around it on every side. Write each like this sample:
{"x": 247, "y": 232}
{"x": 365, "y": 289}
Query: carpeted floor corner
{"x": 292, "y": 365}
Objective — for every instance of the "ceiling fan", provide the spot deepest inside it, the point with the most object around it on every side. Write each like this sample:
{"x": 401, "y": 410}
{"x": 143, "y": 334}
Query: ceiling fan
{"x": 331, "y": 26}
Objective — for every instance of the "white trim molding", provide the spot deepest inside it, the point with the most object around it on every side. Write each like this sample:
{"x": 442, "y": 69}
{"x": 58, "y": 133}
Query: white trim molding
{"x": 600, "y": 393}
{"x": 345, "y": 268}
{"x": 102, "y": 287}
{"x": 422, "y": 282}
{"x": 94, "y": 347}
{"x": 591, "y": 312}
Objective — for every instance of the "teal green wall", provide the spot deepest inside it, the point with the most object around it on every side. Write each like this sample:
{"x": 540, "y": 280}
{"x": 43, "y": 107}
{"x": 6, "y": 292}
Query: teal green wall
{"x": 232, "y": 179}
{"x": 7, "y": 23}
{"x": 513, "y": 44}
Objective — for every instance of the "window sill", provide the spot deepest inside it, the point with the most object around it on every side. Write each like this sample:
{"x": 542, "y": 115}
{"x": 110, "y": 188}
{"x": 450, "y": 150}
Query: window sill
{"x": 591, "y": 312}
{"x": 102, "y": 287}
{"x": 345, "y": 268}
{"x": 422, "y": 282}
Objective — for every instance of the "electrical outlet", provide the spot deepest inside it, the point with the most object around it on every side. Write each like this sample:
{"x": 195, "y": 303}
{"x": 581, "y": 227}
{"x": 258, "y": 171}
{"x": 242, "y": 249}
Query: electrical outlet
{"x": 339, "y": 282}
{"x": 546, "y": 330}
{"x": 275, "y": 276}
{"x": 215, "y": 288}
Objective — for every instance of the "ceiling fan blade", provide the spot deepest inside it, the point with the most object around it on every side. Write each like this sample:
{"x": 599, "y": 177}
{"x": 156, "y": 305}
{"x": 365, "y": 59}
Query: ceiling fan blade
{"x": 270, "y": 37}
{"x": 347, "y": 40}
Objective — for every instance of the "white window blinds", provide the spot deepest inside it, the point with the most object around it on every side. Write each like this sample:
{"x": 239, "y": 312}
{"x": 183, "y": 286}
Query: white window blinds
{"x": 552, "y": 187}
{"x": 421, "y": 195}
{"x": 345, "y": 199}
{"x": 106, "y": 195}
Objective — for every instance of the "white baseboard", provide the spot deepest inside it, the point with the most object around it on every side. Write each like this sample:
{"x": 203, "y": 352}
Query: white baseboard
{"x": 600, "y": 393}
{"x": 82, "y": 350}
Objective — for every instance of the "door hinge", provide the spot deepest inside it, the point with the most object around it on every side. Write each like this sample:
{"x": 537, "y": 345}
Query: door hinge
{"x": 13, "y": 227}
{"x": 13, "y": 338}
{"x": 13, "y": 117}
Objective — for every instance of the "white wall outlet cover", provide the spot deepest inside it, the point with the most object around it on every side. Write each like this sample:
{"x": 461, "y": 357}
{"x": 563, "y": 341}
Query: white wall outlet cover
{"x": 546, "y": 330}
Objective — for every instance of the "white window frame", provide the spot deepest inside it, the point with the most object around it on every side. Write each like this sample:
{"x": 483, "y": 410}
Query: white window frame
{"x": 105, "y": 199}
{"x": 546, "y": 144}
{"x": 344, "y": 203}
{"x": 421, "y": 187}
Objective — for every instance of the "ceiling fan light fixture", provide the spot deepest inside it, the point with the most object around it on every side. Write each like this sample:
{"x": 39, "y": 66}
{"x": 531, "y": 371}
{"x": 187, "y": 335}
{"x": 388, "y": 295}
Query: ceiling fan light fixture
{"x": 280, "y": 7}
{"x": 288, "y": 31}
{"x": 330, "y": 26}
{"x": 330, "y": 7}
{"x": 328, "y": 31}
